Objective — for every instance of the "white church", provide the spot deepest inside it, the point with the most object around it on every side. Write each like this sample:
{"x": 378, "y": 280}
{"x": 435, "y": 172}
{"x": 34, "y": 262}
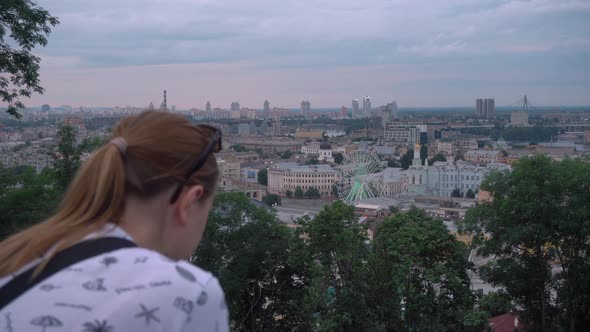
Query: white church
{"x": 443, "y": 177}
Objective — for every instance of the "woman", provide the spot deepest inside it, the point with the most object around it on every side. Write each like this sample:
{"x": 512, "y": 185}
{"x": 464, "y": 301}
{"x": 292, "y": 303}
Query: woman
{"x": 112, "y": 258}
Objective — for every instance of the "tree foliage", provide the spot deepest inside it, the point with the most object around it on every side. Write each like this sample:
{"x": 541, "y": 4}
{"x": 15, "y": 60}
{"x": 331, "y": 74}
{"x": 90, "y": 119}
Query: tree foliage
{"x": 27, "y": 25}
{"x": 470, "y": 194}
{"x": 496, "y": 303}
{"x": 437, "y": 157}
{"x": 285, "y": 155}
{"x": 263, "y": 177}
{"x": 298, "y": 192}
{"x": 247, "y": 249}
{"x": 26, "y": 198}
{"x": 66, "y": 159}
{"x": 406, "y": 159}
{"x": 271, "y": 199}
{"x": 239, "y": 148}
{"x": 537, "y": 228}
{"x": 338, "y": 157}
{"x": 335, "y": 257}
{"x": 419, "y": 274}
{"x": 423, "y": 153}
{"x": 456, "y": 193}
{"x": 312, "y": 192}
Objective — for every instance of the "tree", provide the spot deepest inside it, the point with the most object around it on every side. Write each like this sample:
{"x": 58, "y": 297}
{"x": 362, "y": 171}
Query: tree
{"x": 406, "y": 159}
{"x": 263, "y": 177}
{"x": 338, "y": 157}
{"x": 456, "y": 193}
{"x": 289, "y": 193}
{"x": 312, "y": 192}
{"x": 247, "y": 249}
{"x": 286, "y": 154}
{"x": 459, "y": 156}
{"x": 496, "y": 303}
{"x": 66, "y": 159}
{"x": 393, "y": 163}
{"x": 26, "y": 198}
{"x": 239, "y": 148}
{"x": 536, "y": 228}
{"x": 271, "y": 199}
{"x": 437, "y": 157}
{"x": 312, "y": 161}
{"x": 28, "y": 26}
{"x": 298, "y": 192}
{"x": 335, "y": 256}
{"x": 334, "y": 190}
{"x": 470, "y": 194}
{"x": 423, "y": 153}
{"x": 419, "y": 275}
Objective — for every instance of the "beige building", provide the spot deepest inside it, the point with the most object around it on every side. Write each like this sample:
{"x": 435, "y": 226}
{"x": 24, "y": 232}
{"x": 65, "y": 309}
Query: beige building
{"x": 445, "y": 146}
{"x": 228, "y": 171}
{"x": 289, "y": 176}
{"x": 483, "y": 156}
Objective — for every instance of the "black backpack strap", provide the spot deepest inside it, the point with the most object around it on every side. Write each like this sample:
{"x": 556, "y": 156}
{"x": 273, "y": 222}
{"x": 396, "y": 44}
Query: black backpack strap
{"x": 63, "y": 259}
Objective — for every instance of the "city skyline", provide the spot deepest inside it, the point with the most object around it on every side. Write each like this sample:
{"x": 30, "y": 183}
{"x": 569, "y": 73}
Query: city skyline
{"x": 110, "y": 53}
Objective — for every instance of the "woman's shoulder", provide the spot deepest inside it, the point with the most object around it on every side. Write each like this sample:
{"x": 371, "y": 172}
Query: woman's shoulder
{"x": 182, "y": 293}
{"x": 148, "y": 264}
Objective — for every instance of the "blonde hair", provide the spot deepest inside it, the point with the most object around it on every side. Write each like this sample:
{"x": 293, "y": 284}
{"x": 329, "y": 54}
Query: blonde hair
{"x": 161, "y": 147}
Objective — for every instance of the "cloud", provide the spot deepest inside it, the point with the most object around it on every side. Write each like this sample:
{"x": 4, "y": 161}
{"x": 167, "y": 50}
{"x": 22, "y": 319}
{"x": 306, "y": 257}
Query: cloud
{"x": 490, "y": 37}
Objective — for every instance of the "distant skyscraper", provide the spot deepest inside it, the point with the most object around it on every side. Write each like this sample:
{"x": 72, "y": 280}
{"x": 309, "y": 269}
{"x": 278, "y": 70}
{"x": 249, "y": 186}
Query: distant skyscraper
{"x": 366, "y": 106}
{"x": 208, "y": 107}
{"x": 479, "y": 107}
{"x": 45, "y": 108}
{"x": 489, "y": 108}
{"x": 355, "y": 107}
{"x": 485, "y": 108}
{"x": 306, "y": 109}
{"x": 276, "y": 124}
{"x": 266, "y": 107}
{"x": 393, "y": 108}
{"x": 235, "y": 106}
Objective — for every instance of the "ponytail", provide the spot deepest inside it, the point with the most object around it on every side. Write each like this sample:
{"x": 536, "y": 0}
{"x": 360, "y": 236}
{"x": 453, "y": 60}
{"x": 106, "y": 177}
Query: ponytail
{"x": 95, "y": 197}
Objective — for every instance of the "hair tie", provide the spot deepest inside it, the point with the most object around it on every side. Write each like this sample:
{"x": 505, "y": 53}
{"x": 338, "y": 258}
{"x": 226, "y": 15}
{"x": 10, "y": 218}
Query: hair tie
{"x": 121, "y": 144}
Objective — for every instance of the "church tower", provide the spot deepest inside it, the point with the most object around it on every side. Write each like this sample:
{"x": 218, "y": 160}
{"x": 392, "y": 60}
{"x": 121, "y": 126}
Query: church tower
{"x": 417, "y": 161}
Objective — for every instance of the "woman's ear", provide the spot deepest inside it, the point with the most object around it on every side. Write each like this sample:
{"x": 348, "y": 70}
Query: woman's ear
{"x": 185, "y": 202}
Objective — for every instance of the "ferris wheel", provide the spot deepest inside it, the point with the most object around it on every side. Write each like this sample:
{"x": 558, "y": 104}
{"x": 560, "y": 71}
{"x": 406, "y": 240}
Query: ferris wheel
{"x": 354, "y": 182}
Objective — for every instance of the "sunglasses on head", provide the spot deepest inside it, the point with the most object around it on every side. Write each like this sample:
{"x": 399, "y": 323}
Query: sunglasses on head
{"x": 213, "y": 146}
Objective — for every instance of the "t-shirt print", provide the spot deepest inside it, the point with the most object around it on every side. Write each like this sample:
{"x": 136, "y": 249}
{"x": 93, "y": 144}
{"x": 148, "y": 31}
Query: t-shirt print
{"x": 131, "y": 289}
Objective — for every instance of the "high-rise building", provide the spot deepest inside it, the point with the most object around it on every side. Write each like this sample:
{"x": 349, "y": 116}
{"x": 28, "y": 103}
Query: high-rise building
{"x": 479, "y": 107}
{"x": 366, "y": 106}
{"x": 45, "y": 108}
{"x": 208, "y": 107}
{"x": 276, "y": 124}
{"x": 485, "y": 108}
{"x": 489, "y": 108}
{"x": 388, "y": 113}
{"x": 266, "y": 109}
{"x": 355, "y": 107}
{"x": 235, "y": 106}
{"x": 393, "y": 108}
{"x": 306, "y": 109}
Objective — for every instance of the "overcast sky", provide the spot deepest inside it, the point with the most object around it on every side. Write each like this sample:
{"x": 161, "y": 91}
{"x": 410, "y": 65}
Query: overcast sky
{"x": 420, "y": 53}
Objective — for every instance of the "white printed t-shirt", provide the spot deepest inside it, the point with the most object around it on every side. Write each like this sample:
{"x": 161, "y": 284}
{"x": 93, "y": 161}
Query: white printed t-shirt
{"x": 130, "y": 289}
